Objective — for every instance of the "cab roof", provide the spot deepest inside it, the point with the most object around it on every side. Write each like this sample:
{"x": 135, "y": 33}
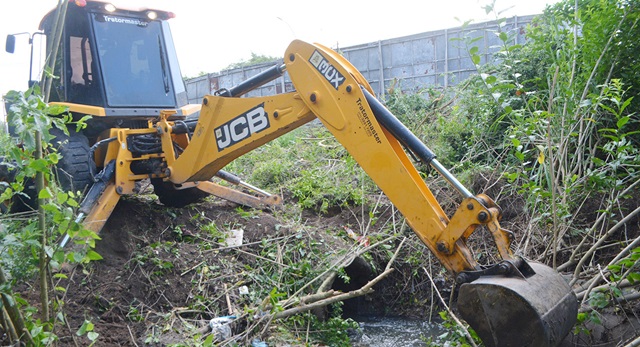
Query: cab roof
{"x": 125, "y": 8}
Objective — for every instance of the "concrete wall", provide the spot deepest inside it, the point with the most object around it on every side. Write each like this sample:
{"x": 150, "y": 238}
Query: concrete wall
{"x": 434, "y": 59}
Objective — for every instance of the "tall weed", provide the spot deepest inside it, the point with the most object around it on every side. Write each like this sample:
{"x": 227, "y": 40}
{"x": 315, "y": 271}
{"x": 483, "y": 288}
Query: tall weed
{"x": 562, "y": 105}
{"x": 21, "y": 235}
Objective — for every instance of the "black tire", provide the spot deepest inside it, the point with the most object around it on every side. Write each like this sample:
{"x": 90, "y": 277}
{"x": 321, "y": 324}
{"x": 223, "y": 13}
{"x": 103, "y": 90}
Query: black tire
{"x": 171, "y": 197}
{"x": 19, "y": 203}
{"x": 75, "y": 170}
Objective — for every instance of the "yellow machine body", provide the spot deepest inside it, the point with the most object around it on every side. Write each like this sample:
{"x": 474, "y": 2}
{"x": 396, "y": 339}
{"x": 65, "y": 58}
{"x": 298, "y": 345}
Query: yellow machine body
{"x": 161, "y": 140}
{"x": 330, "y": 89}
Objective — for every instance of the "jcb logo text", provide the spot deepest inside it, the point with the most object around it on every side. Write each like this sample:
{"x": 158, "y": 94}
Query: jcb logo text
{"x": 241, "y": 127}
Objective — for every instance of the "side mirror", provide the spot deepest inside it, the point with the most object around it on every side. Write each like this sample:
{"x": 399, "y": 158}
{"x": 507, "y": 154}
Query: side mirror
{"x": 10, "y": 45}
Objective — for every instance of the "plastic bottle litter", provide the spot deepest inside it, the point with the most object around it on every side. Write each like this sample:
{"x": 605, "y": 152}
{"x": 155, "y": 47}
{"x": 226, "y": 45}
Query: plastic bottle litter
{"x": 220, "y": 327}
{"x": 257, "y": 343}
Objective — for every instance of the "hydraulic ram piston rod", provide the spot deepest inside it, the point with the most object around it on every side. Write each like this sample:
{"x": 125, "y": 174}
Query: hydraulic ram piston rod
{"x": 412, "y": 142}
{"x": 254, "y": 82}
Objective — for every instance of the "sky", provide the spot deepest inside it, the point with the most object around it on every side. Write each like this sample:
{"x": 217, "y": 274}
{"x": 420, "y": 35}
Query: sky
{"x": 211, "y": 35}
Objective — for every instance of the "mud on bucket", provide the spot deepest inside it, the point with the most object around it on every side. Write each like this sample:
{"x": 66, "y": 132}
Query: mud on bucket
{"x": 510, "y": 311}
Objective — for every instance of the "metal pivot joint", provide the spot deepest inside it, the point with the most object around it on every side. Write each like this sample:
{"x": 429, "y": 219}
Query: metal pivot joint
{"x": 516, "y": 267}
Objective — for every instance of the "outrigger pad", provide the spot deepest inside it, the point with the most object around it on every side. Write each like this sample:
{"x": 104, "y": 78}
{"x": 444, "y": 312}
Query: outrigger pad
{"x": 538, "y": 311}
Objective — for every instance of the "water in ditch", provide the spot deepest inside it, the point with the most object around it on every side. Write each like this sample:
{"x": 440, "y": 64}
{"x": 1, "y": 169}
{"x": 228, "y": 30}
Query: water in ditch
{"x": 395, "y": 331}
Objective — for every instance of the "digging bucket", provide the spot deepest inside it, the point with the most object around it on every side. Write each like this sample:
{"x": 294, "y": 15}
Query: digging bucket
{"x": 537, "y": 311}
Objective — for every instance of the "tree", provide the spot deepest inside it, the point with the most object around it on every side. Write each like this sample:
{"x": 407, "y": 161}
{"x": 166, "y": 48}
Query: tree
{"x": 255, "y": 59}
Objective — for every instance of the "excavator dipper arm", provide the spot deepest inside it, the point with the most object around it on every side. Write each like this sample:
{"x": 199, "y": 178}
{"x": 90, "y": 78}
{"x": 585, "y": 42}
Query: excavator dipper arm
{"x": 502, "y": 302}
{"x": 507, "y": 301}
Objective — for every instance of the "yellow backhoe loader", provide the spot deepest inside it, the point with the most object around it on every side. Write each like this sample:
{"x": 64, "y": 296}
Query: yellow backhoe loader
{"x": 120, "y": 67}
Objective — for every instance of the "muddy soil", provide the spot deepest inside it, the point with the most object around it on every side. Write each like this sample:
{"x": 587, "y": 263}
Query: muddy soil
{"x": 145, "y": 280}
{"x": 150, "y": 284}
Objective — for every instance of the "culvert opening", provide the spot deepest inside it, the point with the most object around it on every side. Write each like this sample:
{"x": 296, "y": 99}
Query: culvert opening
{"x": 358, "y": 274}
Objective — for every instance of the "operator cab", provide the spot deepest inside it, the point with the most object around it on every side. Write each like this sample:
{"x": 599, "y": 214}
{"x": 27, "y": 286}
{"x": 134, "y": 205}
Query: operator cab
{"x": 121, "y": 60}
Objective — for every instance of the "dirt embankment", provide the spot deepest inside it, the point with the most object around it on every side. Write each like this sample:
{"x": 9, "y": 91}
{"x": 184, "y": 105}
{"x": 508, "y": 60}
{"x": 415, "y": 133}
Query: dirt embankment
{"x": 165, "y": 273}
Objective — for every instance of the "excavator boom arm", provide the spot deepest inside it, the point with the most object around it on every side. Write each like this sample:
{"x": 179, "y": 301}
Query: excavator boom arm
{"x": 500, "y": 301}
{"x": 330, "y": 89}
